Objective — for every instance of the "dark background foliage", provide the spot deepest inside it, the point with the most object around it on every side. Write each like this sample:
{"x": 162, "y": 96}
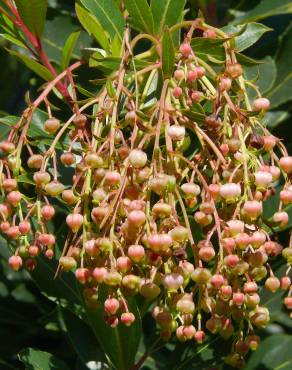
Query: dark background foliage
{"x": 29, "y": 319}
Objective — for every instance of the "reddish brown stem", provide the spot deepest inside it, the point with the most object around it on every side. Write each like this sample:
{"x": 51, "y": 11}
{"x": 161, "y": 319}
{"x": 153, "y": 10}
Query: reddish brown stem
{"x": 36, "y": 43}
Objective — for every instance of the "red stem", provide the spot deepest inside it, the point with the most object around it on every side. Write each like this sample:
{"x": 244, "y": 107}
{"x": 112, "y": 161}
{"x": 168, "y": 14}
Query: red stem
{"x": 36, "y": 43}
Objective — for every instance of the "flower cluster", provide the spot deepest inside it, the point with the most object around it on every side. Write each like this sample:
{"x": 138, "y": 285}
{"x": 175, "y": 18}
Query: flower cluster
{"x": 165, "y": 199}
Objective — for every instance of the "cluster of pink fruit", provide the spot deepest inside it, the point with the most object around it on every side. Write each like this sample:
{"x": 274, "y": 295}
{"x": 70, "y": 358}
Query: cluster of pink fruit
{"x": 153, "y": 213}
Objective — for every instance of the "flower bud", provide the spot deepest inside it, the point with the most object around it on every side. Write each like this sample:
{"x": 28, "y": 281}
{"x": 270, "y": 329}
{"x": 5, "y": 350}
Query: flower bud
{"x": 68, "y": 263}
{"x": 52, "y": 125}
{"x": 286, "y": 164}
{"x": 137, "y": 158}
{"x": 136, "y": 253}
{"x": 111, "y": 306}
{"x": 176, "y": 132}
{"x": 47, "y": 212}
{"x": 14, "y": 198}
{"x": 15, "y": 262}
{"x": 185, "y": 49}
{"x": 173, "y": 282}
{"x": 127, "y": 318}
{"x": 35, "y": 161}
{"x": 74, "y": 221}
{"x": 230, "y": 191}
{"x": 261, "y": 104}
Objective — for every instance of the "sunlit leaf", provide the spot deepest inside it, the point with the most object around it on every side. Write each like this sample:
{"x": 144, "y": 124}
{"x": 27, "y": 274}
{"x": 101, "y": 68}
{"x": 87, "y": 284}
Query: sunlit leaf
{"x": 168, "y": 54}
{"x": 166, "y": 13}
{"x": 108, "y": 15}
{"x": 68, "y": 49}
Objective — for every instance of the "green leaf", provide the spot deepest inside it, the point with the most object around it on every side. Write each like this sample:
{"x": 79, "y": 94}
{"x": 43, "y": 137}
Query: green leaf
{"x": 273, "y": 353}
{"x": 68, "y": 49}
{"x": 141, "y": 15}
{"x": 166, "y": 13}
{"x": 62, "y": 288}
{"x": 263, "y": 75}
{"x": 247, "y": 61}
{"x": 13, "y": 39}
{"x": 92, "y": 26}
{"x": 168, "y": 54}
{"x": 36, "y": 67}
{"x": 265, "y": 9}
{"x": 107, "y": 14}
{"x": 8, "y": 121}
{"x": 82, "y": 338}
{"x": 57, "y": 32}
{"x": 112, "y": 63}
{"x": 281, "y": 91}
{"x": 33, "y": 14}
{"x": 274, "y": 118}
{"x": 251, "y": 34}
{"x": 204, "y": 47}
{"x": 34, "y": 359}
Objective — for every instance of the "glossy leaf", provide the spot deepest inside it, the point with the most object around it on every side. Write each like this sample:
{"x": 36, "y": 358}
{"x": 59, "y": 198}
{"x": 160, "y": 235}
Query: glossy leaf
{"x": 34, "y": 359}
{"x": 168, "y": 54}
{"x": 68, "y": 49}
{"x": 263, "y": 75}
{"x": 6, "y": 123}
{"x": 62, "y": 288}
{"x": 82, "y": 338}
{"x": 112, "y": 63}
{"x": 274, "y": 118}
{"x": 36, "y": 67}
{"x": 251, "y": 34}
{"x": 141, "y": 15}
{"x": 246, "y": 61}
{"x": 273, "y": 353}
{"x": 265, "y": 9}
{"x": 92, "y": 26}
{"x": 33, "y": 14}
{"x": 281, "y": 91}
{"x": 166, "y": 13}
{"x": 57, "y": 32}
{"x": 204, "y": 47}
{"x": 108, "y": 15}
{"x": 13, "y": 39}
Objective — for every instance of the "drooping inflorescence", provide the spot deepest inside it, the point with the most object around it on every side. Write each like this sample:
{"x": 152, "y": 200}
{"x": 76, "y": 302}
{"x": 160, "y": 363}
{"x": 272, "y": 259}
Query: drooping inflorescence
{"x": 165, "y": 199}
